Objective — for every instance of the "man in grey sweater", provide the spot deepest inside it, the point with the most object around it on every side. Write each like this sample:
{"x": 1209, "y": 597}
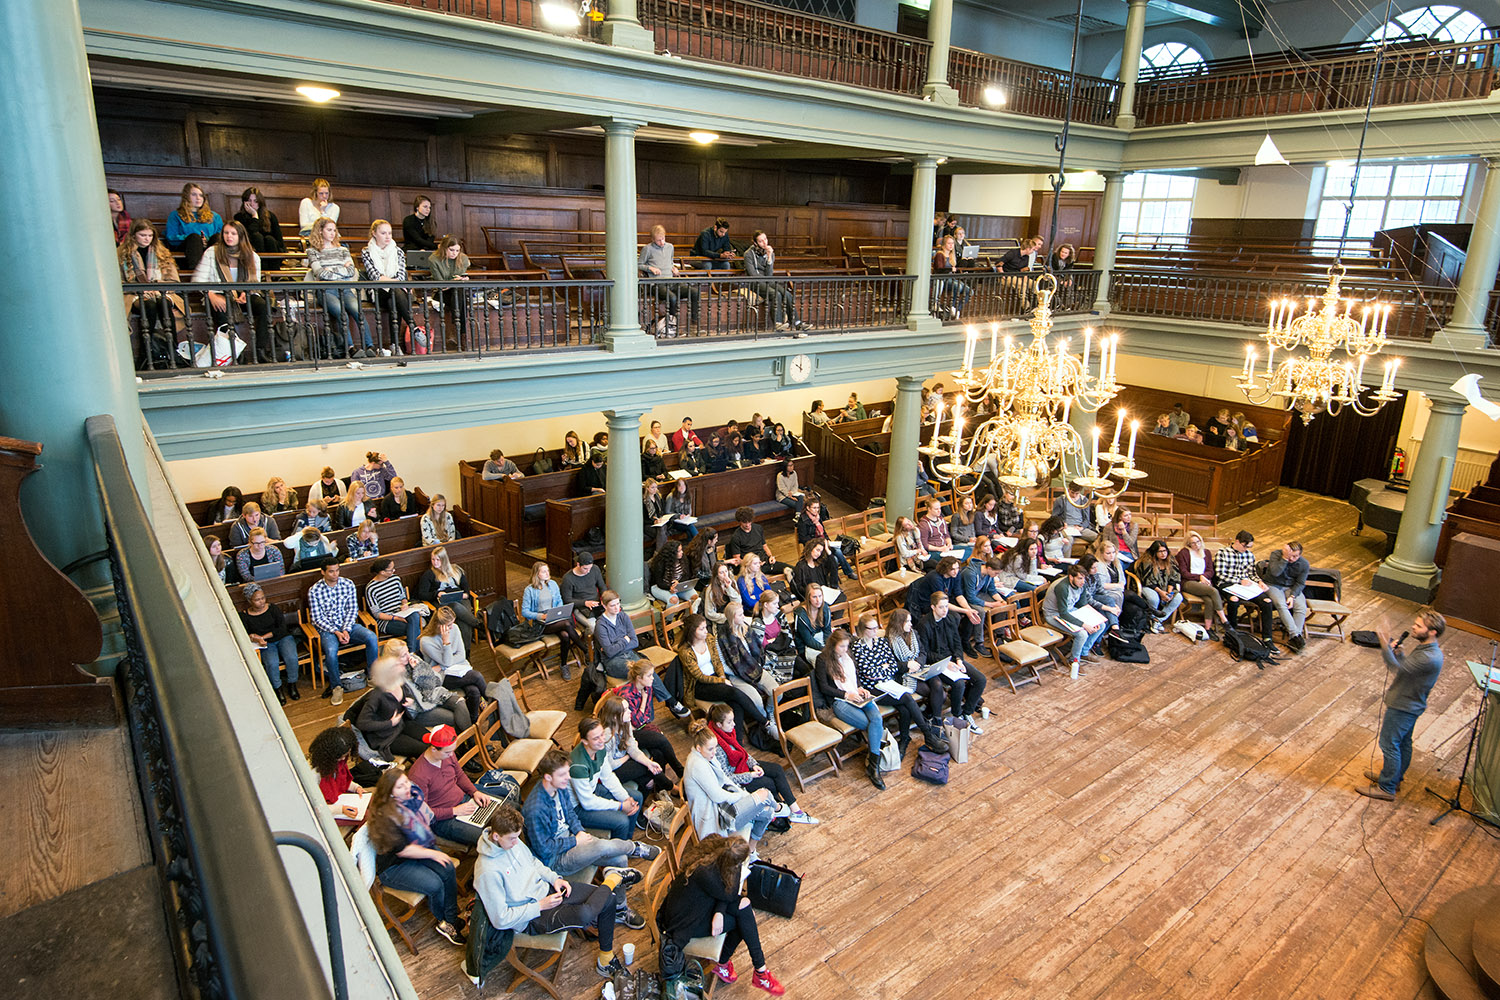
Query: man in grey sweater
{"x": 1405, "y": 699}
{"x": 656, "y": 262}
{"x": 1285, "y": 576}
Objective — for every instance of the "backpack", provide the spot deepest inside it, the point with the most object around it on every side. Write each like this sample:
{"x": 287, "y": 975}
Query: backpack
{"x": 1134, "y": 618}
{"x": 1244, "y": 646}
{"x": 290, "y": 338}
{"x": 1127, "y": 648}
{"x": 1366, "y": 638}
{"x": 418, "y": 340}
{"x": 499, "y": 785}
{"x": 930, "y": 767}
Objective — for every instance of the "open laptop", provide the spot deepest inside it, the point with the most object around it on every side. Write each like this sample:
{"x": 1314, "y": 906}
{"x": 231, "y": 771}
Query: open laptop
{"x": 556, "y": 614}
{"x": 481, "y": 817}
{"x": 451, "y": 597}
{"x": 928, "y": 673}
{"x": 267, "y": 571}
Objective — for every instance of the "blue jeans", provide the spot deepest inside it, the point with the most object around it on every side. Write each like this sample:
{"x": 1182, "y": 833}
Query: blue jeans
{"x": 276, "y": 654}
{"x": 1154, "y": 599}
{"x": 457, "y": 830}
{"x": 611, "y": 821}
{"x": 358, "y": 635}
{"x": 1024, "y": 585}
{"x": 1083, "y": 642}
{"x": 432, "y": 879}
{"x": 339, "y": 304}
{"x": 410, "y": 627}
{"x": 1395, "y": 744}
{"x": 866, "y": 718}
{"x": 597, "y": 852}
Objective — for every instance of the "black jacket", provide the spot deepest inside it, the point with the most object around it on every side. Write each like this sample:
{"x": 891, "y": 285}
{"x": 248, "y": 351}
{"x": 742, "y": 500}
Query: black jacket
{"x": 940, "y": 638}
{"x": 263, "y": 241}
{"x": 413, "y": 236}
{"x": 590, "y": 477}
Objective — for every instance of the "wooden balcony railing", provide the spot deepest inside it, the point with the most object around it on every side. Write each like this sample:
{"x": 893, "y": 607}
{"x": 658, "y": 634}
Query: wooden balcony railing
{"x": 1418, "y": 311}
{"x": 1492, "y": 319}
{"x": 1036, "y": 91}
{"x": 521, "y": 13}
{"x": 1320, "y": 79}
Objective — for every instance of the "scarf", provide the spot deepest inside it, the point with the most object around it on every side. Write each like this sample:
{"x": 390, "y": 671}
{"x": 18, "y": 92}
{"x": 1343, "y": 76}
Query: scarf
{"x": 739, "y": 759}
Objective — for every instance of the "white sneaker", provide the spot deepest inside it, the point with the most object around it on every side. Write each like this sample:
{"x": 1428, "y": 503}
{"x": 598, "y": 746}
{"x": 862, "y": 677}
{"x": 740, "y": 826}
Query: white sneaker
{"x": 493, "y": 302}
{"x": 434, "y": 305}
{"x": 782, "y": 810}
{"x": 974, "y": 728}
{"x": 798, "y": 816}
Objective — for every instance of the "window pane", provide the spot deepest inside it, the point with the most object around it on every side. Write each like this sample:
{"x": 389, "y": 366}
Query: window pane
{"x": 1410, "y": 181}
{"x": 1157, "y": 186}
{"x": 1129, "y": 217}
{"x": 1179, "y": 217}
{"x": 1448, "y": 180}
{"x": 1374, "y": 182}
{"x": 1440, "y": 211}
{"x": 1132, "y": 186}
{"x": 1336, "y": 185}
{"x": 1330, "y": 220}
{"x": 1183, "y": 187}
{"x": 1402, "y": 213}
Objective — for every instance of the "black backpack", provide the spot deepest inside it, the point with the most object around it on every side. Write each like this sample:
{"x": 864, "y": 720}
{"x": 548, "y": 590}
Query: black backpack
{"x": 1127, "y": 648}
{"x": 1134, "y": 618}
{"x": 1244, "y": 646}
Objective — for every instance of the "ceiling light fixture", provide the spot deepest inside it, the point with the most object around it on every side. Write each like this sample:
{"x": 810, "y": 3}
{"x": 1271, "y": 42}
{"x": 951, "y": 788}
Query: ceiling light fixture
{"x": 318, "y": 95}
{"x": 994, "y": 96}
{"x": 561, "y": 16}
{"x": 704, "y": 138}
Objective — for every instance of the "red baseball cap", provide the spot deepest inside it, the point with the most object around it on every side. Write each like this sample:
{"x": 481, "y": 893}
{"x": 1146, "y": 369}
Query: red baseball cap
{"x": 440, "y": 737}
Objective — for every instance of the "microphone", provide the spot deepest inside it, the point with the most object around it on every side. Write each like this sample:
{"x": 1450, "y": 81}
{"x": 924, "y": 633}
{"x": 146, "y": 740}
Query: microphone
{"x": 1401, "y": 639}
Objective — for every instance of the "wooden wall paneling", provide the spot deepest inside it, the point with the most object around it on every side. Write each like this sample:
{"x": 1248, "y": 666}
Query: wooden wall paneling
{"x": 668, "y": 177}
{"x": 580, "y": 171}
{"x": 505, "y": 165}
{"x": 1077, "y": 217}
{"x": 995, "y": 226}
{"x": 233, "y": 147}
{"x": 142, "y": 141}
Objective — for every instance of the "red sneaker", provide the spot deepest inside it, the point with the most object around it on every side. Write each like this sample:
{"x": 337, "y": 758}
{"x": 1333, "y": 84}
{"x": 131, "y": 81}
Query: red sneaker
{"x": 725, "y": 971}
{"x": 767, "y": 982}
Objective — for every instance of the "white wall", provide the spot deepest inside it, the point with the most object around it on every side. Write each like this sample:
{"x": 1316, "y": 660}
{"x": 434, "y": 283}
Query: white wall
{"x": 1010, "y": 194}
{"x": 430, "y": 461}
{"x": 1262, "y": 193}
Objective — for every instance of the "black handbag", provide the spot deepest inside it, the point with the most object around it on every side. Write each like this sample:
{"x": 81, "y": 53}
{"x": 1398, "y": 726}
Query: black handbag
{"x": 540, "y": 463}
{"x": 773, "y": 888}
{"x": 521, "y": 634}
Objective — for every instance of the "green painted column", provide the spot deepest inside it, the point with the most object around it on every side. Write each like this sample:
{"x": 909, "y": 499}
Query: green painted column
{"x": 906, "y": 429}
{"x": 919, "y": 241}
{"x": 1409, "y": 570}
{"x": 624, "y": 563}
{"x": 1108, "y": 238}
{"x": 1130, "y": 62}
{"x": 623, "y": 28}
{"x": 624, "y": 334}
{"x": 939, "y": 36}
{"x": 1466, "y": 328}
{"x": 63, "y": 351}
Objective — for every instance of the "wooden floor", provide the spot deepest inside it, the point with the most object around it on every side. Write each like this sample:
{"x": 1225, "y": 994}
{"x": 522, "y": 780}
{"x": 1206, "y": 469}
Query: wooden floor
{"x": 1183, "y": 829}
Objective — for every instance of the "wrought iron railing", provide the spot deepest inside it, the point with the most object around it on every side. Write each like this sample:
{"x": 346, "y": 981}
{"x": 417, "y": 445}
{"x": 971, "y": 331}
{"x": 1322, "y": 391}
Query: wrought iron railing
{"x": 236, "y": 925}
{"x": 982, "y": 296}
{"x": 1417, "y": 311}
{"x": 1036, "y": 91}
{"x": 741, "y": 306}
{"x": 1318, "y": 80}
{"x": 291, "y": 322}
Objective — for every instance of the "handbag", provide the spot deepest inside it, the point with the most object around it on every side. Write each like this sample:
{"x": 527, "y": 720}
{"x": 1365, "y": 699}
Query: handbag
{"x": 931, "y": 767}
{"x": 890, "y": 753}
{"x": 956, "y": 732}
{"x": 522, "y": 633}
{"x": 540, "y": 463}
{"x": 773, "y": 888}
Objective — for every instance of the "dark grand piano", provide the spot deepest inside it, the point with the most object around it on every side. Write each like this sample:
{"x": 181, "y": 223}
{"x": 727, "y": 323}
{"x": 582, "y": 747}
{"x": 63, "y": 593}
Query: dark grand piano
{"x": 1380, "y": 504}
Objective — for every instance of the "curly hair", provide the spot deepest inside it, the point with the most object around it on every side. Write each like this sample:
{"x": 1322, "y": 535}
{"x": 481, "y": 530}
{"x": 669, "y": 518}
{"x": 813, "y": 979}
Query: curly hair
{"x": 329, "y": 747}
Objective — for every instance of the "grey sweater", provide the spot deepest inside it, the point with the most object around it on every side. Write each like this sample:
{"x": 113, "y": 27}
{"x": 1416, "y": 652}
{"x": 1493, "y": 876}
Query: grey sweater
{"x": 1416, "y": 672}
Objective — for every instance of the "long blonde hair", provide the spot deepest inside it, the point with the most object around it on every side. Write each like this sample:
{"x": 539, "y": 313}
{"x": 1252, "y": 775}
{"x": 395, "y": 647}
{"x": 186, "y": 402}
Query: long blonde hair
{"x": 268, "y": 498}
{"x": 445, "y": 570}
{"x": 614, "y": 715}
{"x": 315, "y": 236}
{"x": 536, "y": 573}
{"x": 439, "y": 527}
{"x": 185, "y": 209}
{"x": 349, "y": 500}
{"x": 443, "y": 616}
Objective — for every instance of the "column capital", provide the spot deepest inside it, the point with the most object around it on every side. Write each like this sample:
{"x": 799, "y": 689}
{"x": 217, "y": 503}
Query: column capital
{"x": 911, "y": 383}
{"x": 1139, "y": 3}
{"x": 925, "y": 161}
{"x": 1447, "y": 404}
{"x": 621, "y": 126}
{"x": 1115, "y": 176}
{"x": 623, "y": 418}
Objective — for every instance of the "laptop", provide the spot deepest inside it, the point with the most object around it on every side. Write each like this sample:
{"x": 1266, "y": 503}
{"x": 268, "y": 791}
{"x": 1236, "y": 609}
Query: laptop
{"x": 318, "y": 562}
{"x": 556, "y": 614}
{"x": 970, "y": 252}
{"x": 928, "y": 673}
{"x": 452, "y": 597}
{"x": 481, "y": 817}
{"x": 267, "y": 571}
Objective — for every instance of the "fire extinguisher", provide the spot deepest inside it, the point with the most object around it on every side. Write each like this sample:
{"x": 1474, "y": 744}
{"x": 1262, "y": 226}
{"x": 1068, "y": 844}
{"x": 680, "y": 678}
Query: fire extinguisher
{"x": 1398, "y": 463}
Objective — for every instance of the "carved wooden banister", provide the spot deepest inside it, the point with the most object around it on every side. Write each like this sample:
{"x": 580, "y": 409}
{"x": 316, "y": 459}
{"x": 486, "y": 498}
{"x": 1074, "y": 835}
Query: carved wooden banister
{"x": 47, "y": 625}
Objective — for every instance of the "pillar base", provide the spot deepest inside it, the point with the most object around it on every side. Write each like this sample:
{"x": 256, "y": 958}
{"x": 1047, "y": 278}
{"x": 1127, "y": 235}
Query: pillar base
{"x": 629, "y": 35}
{"x": 1462, "y": 338}
{"x": 925, "y": 323}
{"x": 1409, "y": 580}
{"x": 940, "y": 93}
{"x": 1124, "y": 121}
{"x": 629, "y": 340}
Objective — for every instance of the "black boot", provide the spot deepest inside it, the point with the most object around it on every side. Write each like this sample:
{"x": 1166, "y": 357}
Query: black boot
{"x": 934, "y": 740}
{"x": 903, "y": 743}
{"x": 872, "y": 770}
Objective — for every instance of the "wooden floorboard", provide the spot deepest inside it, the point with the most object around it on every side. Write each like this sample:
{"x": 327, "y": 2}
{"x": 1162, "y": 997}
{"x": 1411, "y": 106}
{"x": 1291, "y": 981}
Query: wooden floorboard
{"x": 1186, "y": 828}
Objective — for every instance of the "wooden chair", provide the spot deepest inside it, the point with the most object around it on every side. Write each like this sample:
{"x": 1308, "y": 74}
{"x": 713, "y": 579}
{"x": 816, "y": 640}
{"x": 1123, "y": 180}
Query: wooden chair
{"x": 544, "y": 723}
{"x": 658, "y": 881}
{"x": 646, "y": 634}
{"x": 1325, "y": 618}
{"x": 554, "y": 945}
{"x": 517, "y": 659}
{"x": 680, "y": 835}
{"x": 1015, "y": 656}
{"x": 499, "y": 751}
{"x": 315, "y": 647}
{"x": 810, "y": 738}
{"x": 869, "y": 568}
{"x": 1039, "y": 633}
{"x": 1157, "y": 508}
{"x": 407, "y": 902}
{"x": 847, "y": 614}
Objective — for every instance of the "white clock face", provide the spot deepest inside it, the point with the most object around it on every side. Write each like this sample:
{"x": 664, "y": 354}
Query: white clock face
{"x": 800, "y": 368}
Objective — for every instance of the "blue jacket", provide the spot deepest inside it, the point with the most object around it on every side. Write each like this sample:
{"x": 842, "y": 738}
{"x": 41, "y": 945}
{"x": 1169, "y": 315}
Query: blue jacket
{"x": 540, "y": 814}
{"x": 614, "y": 640}
{"x": 978, "y": 589}
{"x": 179, "y": 229}
{"x": 531, "y": 601}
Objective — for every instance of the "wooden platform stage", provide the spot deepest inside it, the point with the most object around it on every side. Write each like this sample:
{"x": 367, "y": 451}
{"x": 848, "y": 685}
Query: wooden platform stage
{"x": 1183, "y": 829}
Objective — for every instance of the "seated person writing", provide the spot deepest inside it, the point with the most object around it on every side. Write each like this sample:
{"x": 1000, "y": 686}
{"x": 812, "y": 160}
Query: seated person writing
{"x": 500, "y": 467}
{"x": 386, "y": 601}
{"x": 940, "y": 640}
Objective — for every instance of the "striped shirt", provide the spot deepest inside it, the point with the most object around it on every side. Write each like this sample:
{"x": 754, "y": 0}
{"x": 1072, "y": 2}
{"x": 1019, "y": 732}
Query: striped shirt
{"x": 385, "y": 596}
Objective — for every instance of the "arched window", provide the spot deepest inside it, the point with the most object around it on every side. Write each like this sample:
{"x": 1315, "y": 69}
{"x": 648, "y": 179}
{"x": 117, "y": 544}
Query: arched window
{"x": 1171, "y": 56}
{"x": 1440, "y": 22}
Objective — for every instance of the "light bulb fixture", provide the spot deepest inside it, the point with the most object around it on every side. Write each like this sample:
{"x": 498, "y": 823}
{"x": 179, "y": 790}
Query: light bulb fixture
{"x": 560, "y": 16}
{"x": 318, "y": 95}
{"x": 994, "y": 97}
{"x": 704, "y": 138}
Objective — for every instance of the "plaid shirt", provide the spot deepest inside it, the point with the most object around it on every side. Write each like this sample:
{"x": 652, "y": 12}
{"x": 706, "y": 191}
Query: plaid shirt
{"x": 333, "y": 609}
{"x": 642, "y": 705}
{"x": 1231, "y": 567}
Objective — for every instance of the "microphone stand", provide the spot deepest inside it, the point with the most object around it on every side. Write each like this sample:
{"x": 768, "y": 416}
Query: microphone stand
{"x": 1453, "y": 803}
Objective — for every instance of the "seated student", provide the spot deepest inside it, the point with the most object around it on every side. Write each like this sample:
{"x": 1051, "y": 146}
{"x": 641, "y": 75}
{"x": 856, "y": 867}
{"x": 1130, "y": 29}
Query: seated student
{"x": 750, "y": 774}
{"x": 500, "y": 467}
{"x": 940, "y": 639}
{"x": 770, "y": 636}
{"x": 354, "y": 508}
{"x": 231, "y": 261}
{"x": 223, "y": 565}
{"x": 448, "y": 262}
{"x": 1161, "y": 583}
{"x": 521, "y": 894}
{"x": 1213, "y": 431}
{"x": 702, "y": 557}
{"x": 652, "y": 464}
{"x": 583, "y": 587}
{"x": 788, "y": 492}
{"x": 670, "y": 579}
{"x": 1163, "y": 426}
{"x": 1023, "y": 257}
{"x": 853, "y": 410}
{"x": 1124, "y": 532}
{"x": 442, "y": 646}
{"x": 656, "y": 437}
{"x": 705, "y": 901}
{"x": 119, "y": 216}
{"x": 1248, "y": 433}
{"x": 593, "y": 478}
{"x": 193, "y": 227}
{"x": 1232, "y": 440}
{"x": 679, "y": 503}
{"x": 682, "y": 435}
{"x": 640, "y": 692}
{"x": 600, "y": 445}
{"x": 1019, "y": 567}
{"x": 446, "y": 787}
{"x": 752, "y": 581}
{"x": 703, "y": 665}
{"x": 945, "y": 262}
{"x": 817, "y": 416}
{"x": 261, "y": 225}
{"x": 251, "y": 519}
{"x": 961, "y": 525}
{"x": 906, "y": 647}
{"x": 278, "y": 497}
{"x": 714, "y": 245}
{"x": 380, "y": 715}
{"x": 722, "y": 591}
{"x": 718, "y": 805}
{"x": 540, "y": 596}
{"x": 406, "y": 855}
{"x": 624, "y": 756}
{"x": 935, "y": 536}
{"x": 692, "y": 460}
{"x": 838, "y": 693}
{"x": 317, "y": 205}
{"x": 386, "y": 601}
{"x": 1196, "y": 566}
{"x": 986, "y": 517}
{"x": 980, "y": 594}
{"x": 364, "y": 543}
{"x": 745, "y": 659}
{"x": 653, "y": 509}
{"x": 398, "y": 503}
{"x": 615, "y": 641}
{"x": 575, "y": 454}
{"x": 227, "y": 508}
{"x": 1064, "y": 598}
{"x": 376, "y": 474}
{"x": 1235, "y": 564}
{"x": 268, "y": 631}
{"x": 875, "y": 662}
{"x": 1057, "y": 544}
{"x": 331, "y": 755}
{"x": 330, "y": 260}
{"x": 779, "y": 444}
{"x": 910, "y": 551}
{"x": 313, "y": 516}
{"x": 751, "y": 452}
{"x": 417, "y": 230}
{"x": 810, "y": 526}
{"x": 333, "y": 609}
{"x": 329, "y": 488}
{"x": 816, "y": 568}
{"x": 432, "y": 704}
{"x": 1112, "y": 594}
{"x": 717, "y": 455}
{"x": 813, "y": 624}
{"x": 308, "y": 547}
{"x": 760, "y": 261}
{"x": 1285, "y": 576}
{"x": 656, "y": 262}
{"x": 437, "y": 523}
{"x": 1073, "y": 508}
{"x": 257, "y": 553}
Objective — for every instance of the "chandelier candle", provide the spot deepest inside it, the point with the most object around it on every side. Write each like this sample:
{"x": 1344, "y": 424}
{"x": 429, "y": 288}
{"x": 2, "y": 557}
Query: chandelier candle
{"x": 1135, "y": 425}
